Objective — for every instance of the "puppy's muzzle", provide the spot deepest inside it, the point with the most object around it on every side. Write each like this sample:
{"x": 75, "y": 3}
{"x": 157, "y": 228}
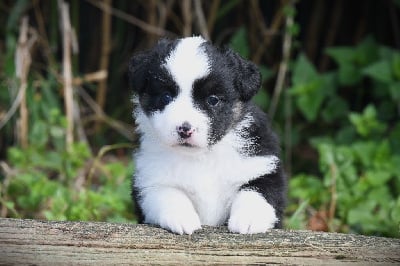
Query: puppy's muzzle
{"x": 185, "y": 130}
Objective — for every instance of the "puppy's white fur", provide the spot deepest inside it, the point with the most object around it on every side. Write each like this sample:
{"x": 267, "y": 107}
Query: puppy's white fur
{"x": 187, "y": 63}
{"x": 178, "y": 191}
{"x": 251, "y": 214}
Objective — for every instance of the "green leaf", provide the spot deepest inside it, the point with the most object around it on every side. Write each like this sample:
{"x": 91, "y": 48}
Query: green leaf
{"x": 239, "y": 43}
{"x": 57, "y": 132}
{"x": 303, "y": 71}
{"x": 351, "y": 60}
{"x": 39, "y": 134}
{"x": 367, "y": 52}
{"x": 382, "y": 155}
{"x": 341, "y": 55}
{"x": 310, "y": 103}
{"x": 16, "y": 156}
{"x": 289, "y": 10}
{"x": 16, "y": 13}
{"x": 335, "y": 108}
{"x": 394, "y": 89}
{"x": 364, "y": 150}
{"x": 9, "y": 60}
{"x": 394, "y": 138}
{"x": 10, "y": 204}
{"x": 396, "y": 65}
{"x": 362, "y": 214}
{"x": 228, "y": 5}
{"x": 349, "y": 75}
{"x": 382, "y": 197}
{"x": 395, "y": 213}
{"x": 380, "y": 71}
{"x": 377, "y": 177}
{"x": 266, "y": 73}
{"x": 367, "y": 123}
{"x": 262, "y": 99}
{"x": 307, "y": 187}
{"x": 309, "y": 88}
{"x": 298, "y": 218}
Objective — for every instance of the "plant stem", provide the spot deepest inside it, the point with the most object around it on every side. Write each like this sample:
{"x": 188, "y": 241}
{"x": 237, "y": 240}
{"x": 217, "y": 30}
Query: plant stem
{"x": 22, "y": 63}
{"x": 332, "y": 204}
{"x": 67, "y": 71}
{"x": 186, "y": 6}
{"x": 131, "y": 19}
{"x": 102, "y": 152}
{"x": 283, "y": 67}
{"x": 201, "y": 21}
{"x": 104, "y": 59}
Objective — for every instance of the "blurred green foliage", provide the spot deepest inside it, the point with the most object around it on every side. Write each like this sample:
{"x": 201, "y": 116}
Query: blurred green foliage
{"x": 48, "y": 180}
{"x": 359, "y": 161}
{"x": 53, "y": 182}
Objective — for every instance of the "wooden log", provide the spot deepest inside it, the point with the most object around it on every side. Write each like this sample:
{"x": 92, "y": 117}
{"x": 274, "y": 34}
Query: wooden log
{"x": 64, "y": 243}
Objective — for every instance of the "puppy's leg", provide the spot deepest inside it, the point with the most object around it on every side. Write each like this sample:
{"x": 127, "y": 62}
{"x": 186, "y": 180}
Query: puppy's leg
{"x": 171, "y": 209}
{"x": 251, "y": 213}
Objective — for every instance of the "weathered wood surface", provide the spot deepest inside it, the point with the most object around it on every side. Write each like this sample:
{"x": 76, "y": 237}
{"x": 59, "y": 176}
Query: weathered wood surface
{"x": 64, "y": 243}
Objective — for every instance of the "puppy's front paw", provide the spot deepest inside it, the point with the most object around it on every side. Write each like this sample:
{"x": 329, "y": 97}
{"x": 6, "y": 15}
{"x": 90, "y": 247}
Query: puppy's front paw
{"x": 171, "y": 209}
{"x": 251, "y": 214}
{"x": 180, "y": 222}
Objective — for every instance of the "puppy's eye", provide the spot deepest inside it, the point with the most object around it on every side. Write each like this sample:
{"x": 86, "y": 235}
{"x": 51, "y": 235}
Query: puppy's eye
{"x": 165, "y": 98}
{"x": 212, "y": 100}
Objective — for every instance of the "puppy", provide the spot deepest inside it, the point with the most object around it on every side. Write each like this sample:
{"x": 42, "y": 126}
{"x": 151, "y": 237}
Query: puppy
{"x": 207, "y": 154}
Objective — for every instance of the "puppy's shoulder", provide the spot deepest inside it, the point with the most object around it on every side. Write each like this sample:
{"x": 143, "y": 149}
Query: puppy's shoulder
{"x": 266, "y": 141}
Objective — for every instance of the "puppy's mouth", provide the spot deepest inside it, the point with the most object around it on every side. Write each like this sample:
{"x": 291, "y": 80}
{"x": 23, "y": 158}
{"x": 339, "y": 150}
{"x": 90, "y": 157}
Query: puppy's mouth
{"x": 186, "y": 144}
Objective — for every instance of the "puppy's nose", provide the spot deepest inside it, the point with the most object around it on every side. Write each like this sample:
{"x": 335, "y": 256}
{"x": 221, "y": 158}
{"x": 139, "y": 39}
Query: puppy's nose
{"x": 185, "y": 130}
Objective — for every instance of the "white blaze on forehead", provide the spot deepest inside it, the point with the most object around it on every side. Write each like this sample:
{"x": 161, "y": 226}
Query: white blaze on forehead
{"x": 188, "y": 62}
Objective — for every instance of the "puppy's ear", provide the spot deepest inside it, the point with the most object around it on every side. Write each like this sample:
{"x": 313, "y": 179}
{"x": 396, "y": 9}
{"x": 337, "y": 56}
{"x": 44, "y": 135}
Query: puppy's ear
{"x": 138, "y": 66}
{"x": 141, "y": 63}
{"x": 247, "y": 75}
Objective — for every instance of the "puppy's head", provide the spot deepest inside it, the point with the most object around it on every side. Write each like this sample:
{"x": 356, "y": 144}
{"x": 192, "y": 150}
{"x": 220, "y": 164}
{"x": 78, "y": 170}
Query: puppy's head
{"x": 190, "y": 93}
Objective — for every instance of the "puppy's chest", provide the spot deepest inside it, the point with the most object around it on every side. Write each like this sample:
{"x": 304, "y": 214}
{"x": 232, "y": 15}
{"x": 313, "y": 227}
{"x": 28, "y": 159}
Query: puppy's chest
{"x": 210, "y": 181}
{"x": 211, "y": 193}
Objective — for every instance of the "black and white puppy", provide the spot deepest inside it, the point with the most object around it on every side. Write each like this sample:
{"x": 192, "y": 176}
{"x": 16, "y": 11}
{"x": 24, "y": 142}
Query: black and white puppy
{"x": 207, "y": 155}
